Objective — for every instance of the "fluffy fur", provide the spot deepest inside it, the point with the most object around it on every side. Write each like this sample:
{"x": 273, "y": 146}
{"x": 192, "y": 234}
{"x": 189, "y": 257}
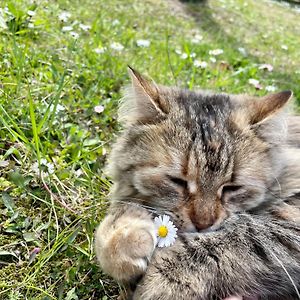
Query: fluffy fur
{"x": 227, "y": 170}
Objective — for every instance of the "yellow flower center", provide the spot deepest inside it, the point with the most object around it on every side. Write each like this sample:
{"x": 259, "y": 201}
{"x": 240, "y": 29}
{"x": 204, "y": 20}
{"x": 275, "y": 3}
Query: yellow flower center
{"x": 162, "y": 231}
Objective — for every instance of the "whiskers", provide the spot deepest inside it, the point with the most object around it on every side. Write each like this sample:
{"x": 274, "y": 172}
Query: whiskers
{"x": 142, "y": 203}
{"x": 287, "y": 273}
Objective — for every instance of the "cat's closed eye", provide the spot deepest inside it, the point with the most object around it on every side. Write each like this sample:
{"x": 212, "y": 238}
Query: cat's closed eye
{"x": 178, "y": 181}
{"x": 231, "y": 192}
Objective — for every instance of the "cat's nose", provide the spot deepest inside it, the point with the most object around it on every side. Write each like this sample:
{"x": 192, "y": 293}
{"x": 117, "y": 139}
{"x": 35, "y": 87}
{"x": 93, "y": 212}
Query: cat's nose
{"x": 206, "y": 217}
{"x": 202, "y": 222}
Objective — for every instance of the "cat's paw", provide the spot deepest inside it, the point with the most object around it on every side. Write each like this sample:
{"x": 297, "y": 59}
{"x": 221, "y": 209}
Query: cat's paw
{"x": 125, "y": 246}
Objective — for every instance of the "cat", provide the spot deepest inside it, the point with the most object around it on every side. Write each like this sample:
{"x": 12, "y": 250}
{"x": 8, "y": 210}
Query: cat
{"x": 226, "y": 169}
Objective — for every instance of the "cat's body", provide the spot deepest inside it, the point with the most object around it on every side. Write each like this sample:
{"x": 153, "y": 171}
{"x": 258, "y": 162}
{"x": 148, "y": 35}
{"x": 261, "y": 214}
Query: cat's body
{"x": 226, "y": 169}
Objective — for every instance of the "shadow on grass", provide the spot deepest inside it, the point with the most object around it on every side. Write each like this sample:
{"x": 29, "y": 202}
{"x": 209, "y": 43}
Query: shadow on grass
{"x": 194, "y": 1}
{"x": 203, "y": 16}
{"x": 294, "y": 3}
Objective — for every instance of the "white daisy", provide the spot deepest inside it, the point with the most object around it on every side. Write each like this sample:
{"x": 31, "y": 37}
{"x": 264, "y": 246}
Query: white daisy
{"x": 99, "y": 50}
{"x": 270, "y": 88}
{"x": 84, "y": 27}
{"x": 255, "y": 83}
{"x": 243, "y": 51}
{"x": 31, "y": 13}
{"x": 78, "y": 172}
{"x": 178, "y": 51}
{"x": 59, "y": 108}
{"x": 115, "y": 22}
{"x": 99, "y": 109}
{"x": 267, "y": 67}
{"x": 116, "y": 46}
{"x": 184, "y": 56}
{"x": 64, "y": 16}
{"x": 74, "y": 34}
{"x": 2, "y": 19}
{"x": 45, "y": 167}
{"x": 50, "y": 168}
{"x": 200, "y": 64}
{"x": 215, "y": 52}
{"x": 165, "y": 230}
{"x": 197, "y": 39}
{"x": 67, "y": 28}
{"x": 35, "y": 168}
{"x": 143, "y": 43}
{"x": 44, "y": 161}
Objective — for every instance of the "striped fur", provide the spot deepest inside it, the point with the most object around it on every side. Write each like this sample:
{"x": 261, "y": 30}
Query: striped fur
{"x": 227, "y": 170}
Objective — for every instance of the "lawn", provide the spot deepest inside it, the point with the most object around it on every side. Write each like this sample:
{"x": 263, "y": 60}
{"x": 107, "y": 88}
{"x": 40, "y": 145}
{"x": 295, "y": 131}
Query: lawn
{"x": 62, "y": 67}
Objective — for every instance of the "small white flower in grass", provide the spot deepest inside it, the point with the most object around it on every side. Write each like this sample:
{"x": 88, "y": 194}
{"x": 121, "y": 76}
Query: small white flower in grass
{"x": 31, "y": 13}
{"x": 67, "y": 28}
{"x": 58, "y": 108}
{"x": 266, "y": 67}
{"x": 78, "y": 172}
{"x": 43, "y": 161}
{"x": 2, "y": 19}
{"x": 184, "y": 56}
{"x": 46, "y": 167}
{"x": 115, "y": 22}
{"x": 30, "y": 25}
{"x": 255, "y": 83}
{"x": 165, "y": 230}
{"x": 143, "y": 43}
{"x": 197, "y": 39}
{"x": 99, "y": 109}
{"x": 50, "y": 167}
{"x": 84, "y": 27}
{"x": 215, "y": 52}
{"x": 74, "y": 34}
{"x": 64, "y": 16}
{"x": 200, "y": 64}
{"x": 100, "y": 50}
{"x": 116, "y": 46}
{"x": 193, "y": 54}
{"x": 243, "y": 51}
{"x": 212, "y": 59}
{"x": 284, "y": 47}
{"x": 35, "y": 168}
{"x": 271, "y": 88}
{"x": 178, "y": 51}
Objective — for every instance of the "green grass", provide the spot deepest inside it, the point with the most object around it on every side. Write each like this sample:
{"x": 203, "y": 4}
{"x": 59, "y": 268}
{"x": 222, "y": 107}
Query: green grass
{"x": 53, "y": 145}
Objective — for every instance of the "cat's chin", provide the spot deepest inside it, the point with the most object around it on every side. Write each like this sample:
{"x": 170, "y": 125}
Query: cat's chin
{"x": 194, "y": 230}
{"x": 241, "y": 298}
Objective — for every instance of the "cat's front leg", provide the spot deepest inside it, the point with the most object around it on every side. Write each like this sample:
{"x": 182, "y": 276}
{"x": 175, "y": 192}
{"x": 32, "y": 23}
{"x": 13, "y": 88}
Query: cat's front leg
{"x": 252, "y": 257}
{"x": 124, "y": 243}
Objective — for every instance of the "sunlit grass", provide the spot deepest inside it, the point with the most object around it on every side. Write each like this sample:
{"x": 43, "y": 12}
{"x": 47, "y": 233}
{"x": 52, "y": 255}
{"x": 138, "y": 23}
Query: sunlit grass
{"x": 61, "y": 59}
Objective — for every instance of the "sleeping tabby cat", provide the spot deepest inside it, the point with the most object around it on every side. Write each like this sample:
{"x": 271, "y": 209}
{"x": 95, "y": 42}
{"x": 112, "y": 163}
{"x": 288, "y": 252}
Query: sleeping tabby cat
{"x": 226, "y": 169}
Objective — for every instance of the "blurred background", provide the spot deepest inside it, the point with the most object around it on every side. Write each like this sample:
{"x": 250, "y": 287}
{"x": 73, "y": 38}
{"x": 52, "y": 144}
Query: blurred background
{"x": 62, "y": 67}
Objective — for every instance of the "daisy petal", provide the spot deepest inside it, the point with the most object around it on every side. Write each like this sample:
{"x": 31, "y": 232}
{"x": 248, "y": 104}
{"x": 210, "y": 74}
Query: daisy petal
{"x": 165, "y": 219}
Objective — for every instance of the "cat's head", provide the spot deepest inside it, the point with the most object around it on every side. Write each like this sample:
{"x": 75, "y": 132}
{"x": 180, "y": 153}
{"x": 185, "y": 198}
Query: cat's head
{"x": 196, "y": 156}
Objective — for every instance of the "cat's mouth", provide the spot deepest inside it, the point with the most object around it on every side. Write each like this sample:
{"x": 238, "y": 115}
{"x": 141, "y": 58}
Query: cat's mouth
{"x": 241, "y": 298}
{"x": 190, "y": 227}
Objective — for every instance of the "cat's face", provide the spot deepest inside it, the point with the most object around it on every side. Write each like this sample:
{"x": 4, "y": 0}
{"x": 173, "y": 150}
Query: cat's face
{"x": 194, "y": 156}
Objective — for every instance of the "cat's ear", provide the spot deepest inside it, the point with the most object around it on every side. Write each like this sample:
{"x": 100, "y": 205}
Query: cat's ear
{"x": 262, "y": 109}
{"x": 143, "y": 100}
